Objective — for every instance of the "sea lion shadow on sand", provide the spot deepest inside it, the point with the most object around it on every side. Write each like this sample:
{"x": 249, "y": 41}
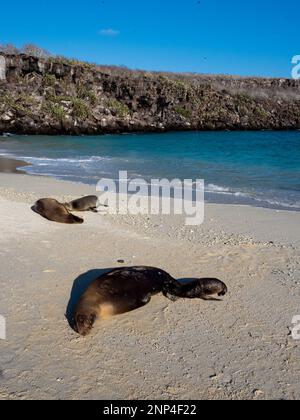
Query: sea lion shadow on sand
{"x": 80, "y": 285}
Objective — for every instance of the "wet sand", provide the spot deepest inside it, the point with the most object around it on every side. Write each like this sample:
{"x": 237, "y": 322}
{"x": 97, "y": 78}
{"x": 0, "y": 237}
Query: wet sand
{"x": 12, "y": 166}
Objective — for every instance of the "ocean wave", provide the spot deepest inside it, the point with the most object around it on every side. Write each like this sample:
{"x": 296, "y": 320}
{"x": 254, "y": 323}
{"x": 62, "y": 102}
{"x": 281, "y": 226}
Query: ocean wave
{"x": 253, "y": 196}
{"x": 217, "y": 189}
{"x": 59, "y": 176}
{"x": 85, "y": 168}
{"x": 8, "y": 155}
{"x": 277, "y": 203}
{"x": 7, "y": 135}
{"x": 36, "y": 160}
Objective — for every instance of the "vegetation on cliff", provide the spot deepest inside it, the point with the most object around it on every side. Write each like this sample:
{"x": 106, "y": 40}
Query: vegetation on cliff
{"x": 41, "y": 94}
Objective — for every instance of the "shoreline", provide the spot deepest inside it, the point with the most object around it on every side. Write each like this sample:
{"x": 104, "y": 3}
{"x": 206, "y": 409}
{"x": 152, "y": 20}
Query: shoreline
{"x": 234, "y": 349}
{"x": 13, "y": 165}
{"x": 245, "y": 221}
{"x": 153, "y": 130}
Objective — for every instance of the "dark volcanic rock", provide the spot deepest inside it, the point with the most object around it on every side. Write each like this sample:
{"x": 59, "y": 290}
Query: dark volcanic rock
{"x": 60, "y": 96}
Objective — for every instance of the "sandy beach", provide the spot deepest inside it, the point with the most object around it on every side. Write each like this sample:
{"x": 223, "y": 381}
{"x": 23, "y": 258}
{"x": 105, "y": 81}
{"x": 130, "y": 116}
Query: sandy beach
{"x": 12, "y": 166}
{"x": 239, "y": 348}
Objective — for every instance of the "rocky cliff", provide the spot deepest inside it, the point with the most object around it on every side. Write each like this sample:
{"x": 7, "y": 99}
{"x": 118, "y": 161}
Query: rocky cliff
{"x": 60, "y": 96}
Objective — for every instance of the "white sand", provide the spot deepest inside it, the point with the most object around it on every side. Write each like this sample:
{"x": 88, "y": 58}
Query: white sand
{"x": 238, "y": 348}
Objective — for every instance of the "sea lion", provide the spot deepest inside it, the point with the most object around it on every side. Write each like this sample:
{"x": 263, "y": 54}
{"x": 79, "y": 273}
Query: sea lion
{"x": 51, "y": 209}
{"x": 88, "y": 203}
{"x": 197, "y": 289}
{"x": 126, "y": 289}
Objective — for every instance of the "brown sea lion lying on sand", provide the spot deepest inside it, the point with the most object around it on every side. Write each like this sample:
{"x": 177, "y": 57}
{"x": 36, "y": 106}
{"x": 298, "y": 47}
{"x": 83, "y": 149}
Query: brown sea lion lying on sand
{"x": 51, "y": 209}
{"x": 88, "y": 203}
{"x": 126, "y": 289}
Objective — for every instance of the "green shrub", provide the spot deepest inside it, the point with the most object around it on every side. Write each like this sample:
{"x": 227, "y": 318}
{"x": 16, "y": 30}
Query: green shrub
{"x": 49, "y": 80}
{"x": 56, "y": 111}
{"x": 21, "y": 103}
{"x": 80, "y": 108}
{"x": 119, "y": 108}
{"x": 87, "y": 94}
{"x": 180, "y": 88}
{"x": 9, "y": 100}
{"x": 53, "y": 97}
{"x": 261, "y": 112}
{"x": 186, "y": 113}
{"x": 243, "y": 98}
{"x": 50, "y": 95}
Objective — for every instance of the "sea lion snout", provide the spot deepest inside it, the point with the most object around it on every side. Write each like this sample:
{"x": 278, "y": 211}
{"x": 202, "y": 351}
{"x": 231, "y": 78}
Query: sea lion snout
{"x": 224, "y": 290}
{"x": 83, "y": 324}
{"x": 213, "y": 287}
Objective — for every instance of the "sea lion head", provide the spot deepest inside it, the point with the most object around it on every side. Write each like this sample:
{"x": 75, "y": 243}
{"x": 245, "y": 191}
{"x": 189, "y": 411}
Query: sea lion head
{"x": 68, "y": 206}
{"x": 224, "y": 291}
{"x": 203, "y": 289}
{"x": 83, "y": 323}
{"x": 210, "y": 287}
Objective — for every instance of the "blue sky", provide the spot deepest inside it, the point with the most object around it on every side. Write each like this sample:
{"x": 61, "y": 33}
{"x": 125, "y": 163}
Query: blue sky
{"x": 207, "y": 36}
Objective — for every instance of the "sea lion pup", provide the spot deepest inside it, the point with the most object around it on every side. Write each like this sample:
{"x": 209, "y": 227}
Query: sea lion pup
{"x": 51, "y": 209}
{"x": 126, "y": 289}
{"x": 197, "y": 289}
{"x": 88, "y": 203}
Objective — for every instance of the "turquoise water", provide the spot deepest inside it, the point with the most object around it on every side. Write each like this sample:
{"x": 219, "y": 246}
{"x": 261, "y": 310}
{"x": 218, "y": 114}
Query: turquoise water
{"x": 258, "y": 168}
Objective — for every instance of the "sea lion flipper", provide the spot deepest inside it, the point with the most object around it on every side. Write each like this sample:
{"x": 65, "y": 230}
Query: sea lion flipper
{"x": 210, "y": 298}
{"x": 75, "y": 219}
{"x": 171, "y": 297}
{"x": 146, "y": 299}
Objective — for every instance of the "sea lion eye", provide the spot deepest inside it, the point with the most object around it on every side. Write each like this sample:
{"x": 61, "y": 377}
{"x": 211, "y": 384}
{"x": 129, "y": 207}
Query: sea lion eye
{"x": 81, "y": 319}
{"x": 92, "y": 318}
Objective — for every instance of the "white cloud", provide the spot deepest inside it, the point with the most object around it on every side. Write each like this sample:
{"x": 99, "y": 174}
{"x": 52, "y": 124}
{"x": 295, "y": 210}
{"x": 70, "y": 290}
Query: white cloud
{"x": 109, "y": 32}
